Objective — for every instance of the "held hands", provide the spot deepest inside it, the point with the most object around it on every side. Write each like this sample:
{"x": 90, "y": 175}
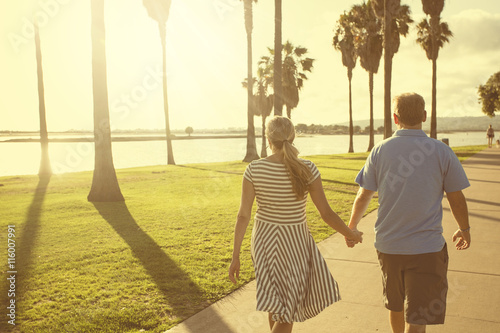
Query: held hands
{"x": 463, "y": 238}
{"x": 234, "y": 269}
{"x": 355, "y": 239}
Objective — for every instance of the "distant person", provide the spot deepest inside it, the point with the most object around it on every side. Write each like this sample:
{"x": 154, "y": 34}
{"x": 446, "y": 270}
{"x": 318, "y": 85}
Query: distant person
{"x": 293, "y": 280}
{"x": 410, "y": 171}
{"x": 490, "y": 134}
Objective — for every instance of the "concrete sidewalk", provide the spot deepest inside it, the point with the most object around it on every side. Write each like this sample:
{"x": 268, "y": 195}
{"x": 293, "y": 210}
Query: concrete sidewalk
{"x": 473, "y": 277}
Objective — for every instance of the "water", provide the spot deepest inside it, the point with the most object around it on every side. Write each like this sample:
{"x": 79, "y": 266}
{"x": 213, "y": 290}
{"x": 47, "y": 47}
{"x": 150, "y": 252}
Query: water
{"x": 23, "y": 158}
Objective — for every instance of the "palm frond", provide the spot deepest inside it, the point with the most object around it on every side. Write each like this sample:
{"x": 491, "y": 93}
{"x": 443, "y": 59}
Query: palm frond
{"x": 307, "y": 64}
{"x": 445, "y": 30}
{"x": 287, "y": 48}
{"x": 244, "y": 83}
{"x": 300, "y": 83}
{"x": 299, "y": 51}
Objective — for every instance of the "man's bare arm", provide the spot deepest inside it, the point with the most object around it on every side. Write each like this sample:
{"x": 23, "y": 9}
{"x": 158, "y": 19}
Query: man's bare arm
{"x": 458, "y": 206}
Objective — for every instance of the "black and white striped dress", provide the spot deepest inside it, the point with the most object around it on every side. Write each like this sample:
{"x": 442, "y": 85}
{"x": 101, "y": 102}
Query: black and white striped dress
{"x": 293, "y": 280}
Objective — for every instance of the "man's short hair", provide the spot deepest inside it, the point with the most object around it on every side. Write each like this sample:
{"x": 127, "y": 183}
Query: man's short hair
{"x": 409, "y": 108}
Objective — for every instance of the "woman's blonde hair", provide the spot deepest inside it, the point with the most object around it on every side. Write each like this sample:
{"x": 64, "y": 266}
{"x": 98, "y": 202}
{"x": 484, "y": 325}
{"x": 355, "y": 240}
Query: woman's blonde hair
{"x": 281, "y": 133}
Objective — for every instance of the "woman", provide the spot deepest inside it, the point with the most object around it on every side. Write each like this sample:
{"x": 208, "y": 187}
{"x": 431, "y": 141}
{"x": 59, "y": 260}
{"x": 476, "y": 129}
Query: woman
{"x": 490, "y": 134}
{"x": 293, "y": 280}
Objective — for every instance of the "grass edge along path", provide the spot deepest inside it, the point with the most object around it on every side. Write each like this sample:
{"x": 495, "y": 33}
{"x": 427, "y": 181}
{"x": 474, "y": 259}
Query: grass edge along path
{"x": 140, "y": 265}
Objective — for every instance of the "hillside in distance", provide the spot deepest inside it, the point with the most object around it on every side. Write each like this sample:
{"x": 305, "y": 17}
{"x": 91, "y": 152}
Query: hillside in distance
{"x": 445, "y": 124}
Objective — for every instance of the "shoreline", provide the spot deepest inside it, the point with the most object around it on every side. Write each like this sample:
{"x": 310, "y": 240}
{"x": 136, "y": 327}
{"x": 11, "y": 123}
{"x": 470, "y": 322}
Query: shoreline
{"x": 141, "y": 137}
{"x": 131, "y": 138}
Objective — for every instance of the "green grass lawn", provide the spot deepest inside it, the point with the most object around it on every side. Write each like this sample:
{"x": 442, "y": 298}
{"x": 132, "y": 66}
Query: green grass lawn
{"x": 143, "y": 264}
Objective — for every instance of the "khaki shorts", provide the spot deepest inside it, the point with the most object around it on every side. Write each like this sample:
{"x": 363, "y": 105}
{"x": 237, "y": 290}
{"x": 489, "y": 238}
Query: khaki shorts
{"x": 419, "y": 279}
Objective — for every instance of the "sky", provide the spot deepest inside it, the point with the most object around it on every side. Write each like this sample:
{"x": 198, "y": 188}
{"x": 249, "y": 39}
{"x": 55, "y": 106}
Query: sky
{"x": 207, "y": 61}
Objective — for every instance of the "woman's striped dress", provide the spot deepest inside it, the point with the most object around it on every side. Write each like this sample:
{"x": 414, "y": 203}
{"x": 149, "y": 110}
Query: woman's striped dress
{"x": 293, "y": 280}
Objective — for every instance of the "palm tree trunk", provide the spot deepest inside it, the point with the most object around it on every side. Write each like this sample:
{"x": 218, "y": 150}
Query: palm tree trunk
{"x": 387, "y": 72}
{"x": 278, "y": 83}
{"x": 263, "y": 152}
{"x": 434, "y": 97}
{"x": 163, "y": 36}
{"x": 104, "y": 182}
{"x": 251, "y": 153}
{"x": 45, "y": 169}
{"x": 372, "y": 135}
{"x": 351, "y": 126}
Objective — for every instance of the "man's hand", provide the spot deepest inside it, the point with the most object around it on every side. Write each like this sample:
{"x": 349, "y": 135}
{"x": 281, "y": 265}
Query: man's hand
{"x": 462, "y": 238}
{"x": 350, "y": 242}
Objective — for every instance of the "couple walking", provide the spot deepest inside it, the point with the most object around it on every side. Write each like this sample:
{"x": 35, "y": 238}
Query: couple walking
{"x": 409, "y": 171}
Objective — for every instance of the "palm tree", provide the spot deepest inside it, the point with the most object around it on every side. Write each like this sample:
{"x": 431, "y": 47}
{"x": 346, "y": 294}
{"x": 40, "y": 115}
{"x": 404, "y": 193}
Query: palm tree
{"x": 369, "y": 47}
{"x": 159, "y": 10}
{"x": 278, "y": 81}
{"x": 262, "y": 100}
{"x": 343, "y": 41}
{"x": 396, "y": 22}
{"x": 45, "y": 169}
{"x": 264, "y": 106}
{"x": 251, "y": 153}
{"x": 294, "y": 66}
{"x": 104, "y": 182}
{"x": 432, "y": 35}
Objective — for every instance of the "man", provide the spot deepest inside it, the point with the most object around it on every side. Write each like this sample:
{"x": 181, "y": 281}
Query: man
{"x": 411, "y": 171}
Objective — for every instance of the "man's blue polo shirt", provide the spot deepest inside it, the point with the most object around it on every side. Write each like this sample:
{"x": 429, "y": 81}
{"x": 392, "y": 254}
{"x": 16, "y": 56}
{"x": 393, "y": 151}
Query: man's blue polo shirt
{"x": 411, "y": 171}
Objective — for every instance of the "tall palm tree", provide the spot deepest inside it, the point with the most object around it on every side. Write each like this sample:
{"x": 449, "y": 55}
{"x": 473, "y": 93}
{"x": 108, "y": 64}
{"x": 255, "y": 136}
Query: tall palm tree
{"x": 159, "y": 10}
{"x": 45, "y": 169}
{"x": 104, "y": 182}
{"x": 396, "y": 22}
{"x": 343, "y": 41}
{"x": 432, "y": 34}
{"x": 278, "y": 81}
{"x": 369, "y": 47}
{"x": 251, "y": 153}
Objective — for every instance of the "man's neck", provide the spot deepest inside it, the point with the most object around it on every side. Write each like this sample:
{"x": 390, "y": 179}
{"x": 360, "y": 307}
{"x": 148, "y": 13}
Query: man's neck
{"x": 403, "y": 126}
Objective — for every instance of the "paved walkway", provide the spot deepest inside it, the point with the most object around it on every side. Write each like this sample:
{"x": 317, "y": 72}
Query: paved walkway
{"x": 474, "y": 275}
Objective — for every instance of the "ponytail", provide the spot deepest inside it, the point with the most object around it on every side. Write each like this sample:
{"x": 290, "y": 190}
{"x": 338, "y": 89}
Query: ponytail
{"x": 299, "y": 173}
{"x": 281, "y": 132}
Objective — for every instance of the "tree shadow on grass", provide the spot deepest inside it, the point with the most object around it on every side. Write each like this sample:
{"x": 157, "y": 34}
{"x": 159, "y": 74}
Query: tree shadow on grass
{"x": 214, "y": 170}
{"x": 352, "y": 157}
{"x": 25, "y": 237}
{"x": 338, "y": 168}
{"x": 338, "y": 182}
{"x": 182, "y": 294}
